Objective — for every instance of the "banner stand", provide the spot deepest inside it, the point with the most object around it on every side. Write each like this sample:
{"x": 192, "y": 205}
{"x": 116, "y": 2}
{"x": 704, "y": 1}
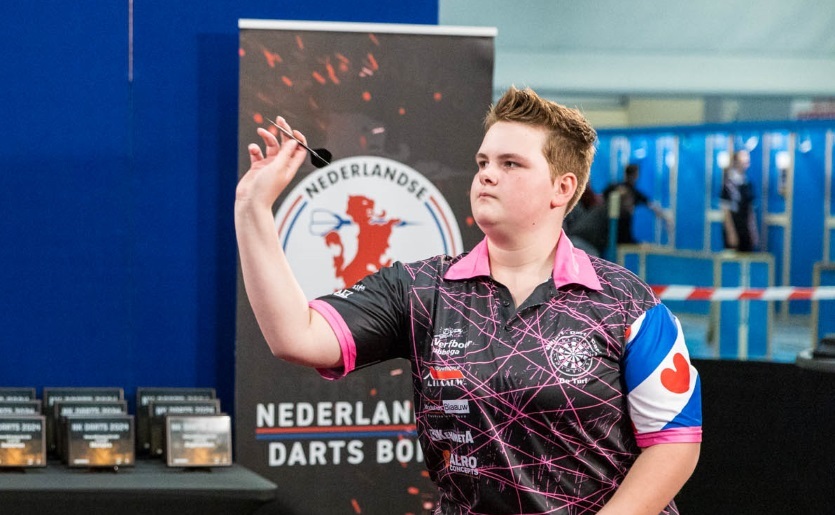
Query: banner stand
{"x": 400, "y": 108}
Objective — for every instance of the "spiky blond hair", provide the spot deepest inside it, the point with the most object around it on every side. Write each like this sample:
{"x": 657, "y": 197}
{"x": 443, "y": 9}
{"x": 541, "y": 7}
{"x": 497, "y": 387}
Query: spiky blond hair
{"x": 569, "y": 147}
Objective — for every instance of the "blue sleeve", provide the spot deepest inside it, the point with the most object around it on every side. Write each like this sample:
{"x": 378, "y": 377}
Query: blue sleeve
{"x": 663, "y": 387}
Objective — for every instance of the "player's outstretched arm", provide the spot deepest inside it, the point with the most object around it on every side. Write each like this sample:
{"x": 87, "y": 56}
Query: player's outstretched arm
{"x": 292, "y": 330}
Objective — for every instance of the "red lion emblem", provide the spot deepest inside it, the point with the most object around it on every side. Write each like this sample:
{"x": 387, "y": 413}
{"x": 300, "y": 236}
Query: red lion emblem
{"x": 372, "y": 241}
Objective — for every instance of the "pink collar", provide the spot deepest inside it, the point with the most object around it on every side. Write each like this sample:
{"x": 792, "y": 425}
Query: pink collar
{"x": 571, "y": 265}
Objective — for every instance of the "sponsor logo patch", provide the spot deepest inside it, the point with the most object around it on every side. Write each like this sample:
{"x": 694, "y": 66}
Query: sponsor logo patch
{"x": 572, "y": 354}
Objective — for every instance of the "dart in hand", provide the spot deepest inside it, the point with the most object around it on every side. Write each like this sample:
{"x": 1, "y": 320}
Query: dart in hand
{"x": 319, "y": 157}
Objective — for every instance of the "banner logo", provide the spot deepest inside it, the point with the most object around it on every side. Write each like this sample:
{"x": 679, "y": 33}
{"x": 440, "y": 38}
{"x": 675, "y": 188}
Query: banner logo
{"x": 358, "y": 215}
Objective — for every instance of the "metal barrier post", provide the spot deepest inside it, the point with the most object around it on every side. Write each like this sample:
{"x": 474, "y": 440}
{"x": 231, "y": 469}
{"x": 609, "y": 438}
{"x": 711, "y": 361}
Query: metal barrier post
{"x": 744, "y": 329}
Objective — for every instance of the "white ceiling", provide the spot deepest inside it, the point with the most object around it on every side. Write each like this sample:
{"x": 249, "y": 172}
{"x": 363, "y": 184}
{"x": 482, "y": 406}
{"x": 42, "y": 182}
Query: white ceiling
{"x": 645, "y": 47}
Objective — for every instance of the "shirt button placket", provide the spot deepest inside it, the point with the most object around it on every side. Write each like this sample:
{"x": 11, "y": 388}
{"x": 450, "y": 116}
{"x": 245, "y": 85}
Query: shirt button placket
{"x": 506, "y": 304}
{"x": 504, "y": 307}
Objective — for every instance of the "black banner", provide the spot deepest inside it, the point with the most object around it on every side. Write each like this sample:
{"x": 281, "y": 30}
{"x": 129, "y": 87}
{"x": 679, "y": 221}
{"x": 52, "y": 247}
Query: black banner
{"x": 400, "y": 108}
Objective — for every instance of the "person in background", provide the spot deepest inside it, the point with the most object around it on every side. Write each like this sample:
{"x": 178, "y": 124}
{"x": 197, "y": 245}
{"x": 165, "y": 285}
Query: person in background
{"x": 570, "y": 389}
{"x": 588, "y": 224}
{"x": 631, "y": 197}
{"x": 739, "y": 225}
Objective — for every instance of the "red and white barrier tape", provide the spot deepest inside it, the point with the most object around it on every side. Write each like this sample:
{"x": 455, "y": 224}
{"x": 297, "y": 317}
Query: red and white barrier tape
{"x": 676, "y": 292}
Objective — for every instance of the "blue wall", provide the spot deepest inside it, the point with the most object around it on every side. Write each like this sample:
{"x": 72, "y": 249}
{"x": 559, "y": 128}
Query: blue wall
{"x": 118, "y": 259}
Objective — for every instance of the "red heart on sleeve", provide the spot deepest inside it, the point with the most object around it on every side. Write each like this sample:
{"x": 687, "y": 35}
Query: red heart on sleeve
{"x": 677, "y": 379}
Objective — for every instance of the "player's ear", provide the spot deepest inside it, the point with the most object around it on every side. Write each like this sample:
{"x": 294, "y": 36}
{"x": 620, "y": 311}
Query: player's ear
{"x": 564, "y": 187}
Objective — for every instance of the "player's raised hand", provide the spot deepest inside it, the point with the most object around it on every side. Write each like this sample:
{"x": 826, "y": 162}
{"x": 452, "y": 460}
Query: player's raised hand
{"x": 272, "y": 168}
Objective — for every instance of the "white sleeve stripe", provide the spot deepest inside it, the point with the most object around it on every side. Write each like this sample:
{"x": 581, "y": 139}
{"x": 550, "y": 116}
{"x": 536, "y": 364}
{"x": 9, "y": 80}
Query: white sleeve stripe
{"x": 651, "y": 405}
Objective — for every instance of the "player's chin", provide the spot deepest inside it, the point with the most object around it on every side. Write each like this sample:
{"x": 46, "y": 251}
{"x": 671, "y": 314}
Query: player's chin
{"x": 485, "y": 219}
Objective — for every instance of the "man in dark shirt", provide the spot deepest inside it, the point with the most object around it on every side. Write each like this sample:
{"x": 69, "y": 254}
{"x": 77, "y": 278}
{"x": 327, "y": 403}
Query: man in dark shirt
{"x": 739, "y": 226}
{"x": 588, "y": 224}
{"x": 630, "y": 197}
